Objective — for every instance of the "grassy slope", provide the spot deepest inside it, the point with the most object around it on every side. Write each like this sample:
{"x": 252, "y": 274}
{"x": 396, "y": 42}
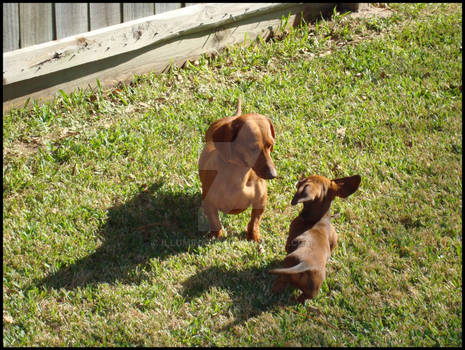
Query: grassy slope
{"x": 101, "y": 196}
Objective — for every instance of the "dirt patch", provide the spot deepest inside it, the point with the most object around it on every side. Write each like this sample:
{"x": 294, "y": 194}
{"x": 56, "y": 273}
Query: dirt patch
{"x": 20, "y": 148}
{"x": 370, "y": 10}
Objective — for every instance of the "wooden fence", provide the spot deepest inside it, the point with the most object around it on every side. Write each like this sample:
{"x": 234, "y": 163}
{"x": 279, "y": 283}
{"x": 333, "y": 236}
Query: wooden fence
{"x": 26, "y": 24}
{"x": 115, "y": 53}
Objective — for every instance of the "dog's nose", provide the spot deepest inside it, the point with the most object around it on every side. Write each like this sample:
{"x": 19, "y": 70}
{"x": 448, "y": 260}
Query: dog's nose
{"x": 270, "y": 173}
{"x": 295, "y": 200}
{"x": 273, "y": 173}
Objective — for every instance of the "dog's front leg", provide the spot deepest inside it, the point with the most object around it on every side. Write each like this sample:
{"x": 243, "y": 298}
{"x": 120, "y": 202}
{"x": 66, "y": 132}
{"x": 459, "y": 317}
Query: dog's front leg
{"x": 213, "y": 219}
{"x": 332, "y": 241}
{"x": 258, "y": 208}
{"x": 253, "y": 230}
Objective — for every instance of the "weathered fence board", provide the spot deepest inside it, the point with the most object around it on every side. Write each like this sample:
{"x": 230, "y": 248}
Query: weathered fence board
{"x": 104, "y": 14}
{"x": 10, "y": 26}
{"x": 105, "y": 42}
{"x": 140, "y": 46}
{"x": 166, "y": 6}
{"x": 36, "y": 24}
{"x": 136, "y": 10}
{"x": 27, "y": 24}
{"x": 71, "y": 19}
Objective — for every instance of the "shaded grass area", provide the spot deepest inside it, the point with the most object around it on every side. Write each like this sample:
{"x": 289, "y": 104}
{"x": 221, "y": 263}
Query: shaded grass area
{"x": 103, "y": 231}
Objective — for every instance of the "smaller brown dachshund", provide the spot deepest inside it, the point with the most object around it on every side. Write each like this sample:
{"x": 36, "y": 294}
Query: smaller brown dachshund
{"x": 311, "y": 235}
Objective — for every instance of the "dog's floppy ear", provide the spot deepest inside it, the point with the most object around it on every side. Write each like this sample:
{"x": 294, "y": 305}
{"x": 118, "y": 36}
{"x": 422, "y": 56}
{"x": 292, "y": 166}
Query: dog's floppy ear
{"x": 272, "y": 131}
{"x": 224, "y": 136}
{"x": 271, "y": 128}
{"x": 305, "y": 192}
{"x": 301, "y": 180}
{"x": 344, "y": 187}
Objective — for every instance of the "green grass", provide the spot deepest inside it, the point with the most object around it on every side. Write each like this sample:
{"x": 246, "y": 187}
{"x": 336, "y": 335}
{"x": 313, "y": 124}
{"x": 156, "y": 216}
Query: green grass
{"x": 101, "y": 197}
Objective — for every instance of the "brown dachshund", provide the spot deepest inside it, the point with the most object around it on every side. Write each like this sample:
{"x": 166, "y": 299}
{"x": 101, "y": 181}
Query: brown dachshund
{"x": 233, "y": 167}
{"x": 311, "y": 235}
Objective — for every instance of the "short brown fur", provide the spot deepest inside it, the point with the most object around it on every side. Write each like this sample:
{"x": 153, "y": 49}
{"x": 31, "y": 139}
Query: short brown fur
{"x": 233, "y": 167}
{"x": 311, "y": 236}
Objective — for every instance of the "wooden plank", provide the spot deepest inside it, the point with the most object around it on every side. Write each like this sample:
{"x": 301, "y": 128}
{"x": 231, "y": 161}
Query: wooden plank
{"x": 161, "y": 7}
{"x": 102, "y": 43}
{"x": 70, "y": 19}
{"x": 10, "y": 26}
{"x": 36, "y": 24}
{"x": 133, "y": 11}
{"x": 104, "y": 14}
{"x": 176, "y": 50}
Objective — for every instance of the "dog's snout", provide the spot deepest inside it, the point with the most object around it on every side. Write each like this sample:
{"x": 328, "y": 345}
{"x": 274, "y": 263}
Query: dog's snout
{"x": 269, "y": 171}
{"x": 268, "y": 174}
{"x": 264, "y": 167}
{"x": 295, "y": 200}
{"x": 273, "y": 173}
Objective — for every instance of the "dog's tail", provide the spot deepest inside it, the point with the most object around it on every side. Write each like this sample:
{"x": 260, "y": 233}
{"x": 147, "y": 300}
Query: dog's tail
{"x": 300, "y": 267}
{"x": 239, "y": 110}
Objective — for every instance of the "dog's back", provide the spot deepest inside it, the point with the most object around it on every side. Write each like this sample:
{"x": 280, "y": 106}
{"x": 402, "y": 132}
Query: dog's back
{"x": 308, "y": 252}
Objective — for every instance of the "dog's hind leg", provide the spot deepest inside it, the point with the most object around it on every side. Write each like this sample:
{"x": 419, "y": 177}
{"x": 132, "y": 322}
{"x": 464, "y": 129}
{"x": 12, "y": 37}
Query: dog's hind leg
{"x": 280, "y": 284}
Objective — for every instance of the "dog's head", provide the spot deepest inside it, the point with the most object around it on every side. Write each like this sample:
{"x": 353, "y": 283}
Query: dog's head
{"x": 247, "y": 141}
{"x": 319, "y": 189}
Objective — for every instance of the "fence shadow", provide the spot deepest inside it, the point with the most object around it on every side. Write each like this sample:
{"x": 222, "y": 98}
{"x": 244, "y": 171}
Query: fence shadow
{"x": 153, "y": 224}
{"x": 249, "y": 289}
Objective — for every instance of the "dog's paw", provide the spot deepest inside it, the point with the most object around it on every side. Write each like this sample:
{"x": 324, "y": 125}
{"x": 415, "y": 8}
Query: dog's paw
{"x": 216, "y": 234}
{"x": 253, "y": 236}
{"x": 301, "y": 298}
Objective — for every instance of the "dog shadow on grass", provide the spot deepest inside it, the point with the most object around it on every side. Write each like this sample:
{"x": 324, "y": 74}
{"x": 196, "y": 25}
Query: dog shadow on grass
{"x": 249, "y": 290}
{"x": 158, "y": 224}
{"x": 154, "y": 224}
